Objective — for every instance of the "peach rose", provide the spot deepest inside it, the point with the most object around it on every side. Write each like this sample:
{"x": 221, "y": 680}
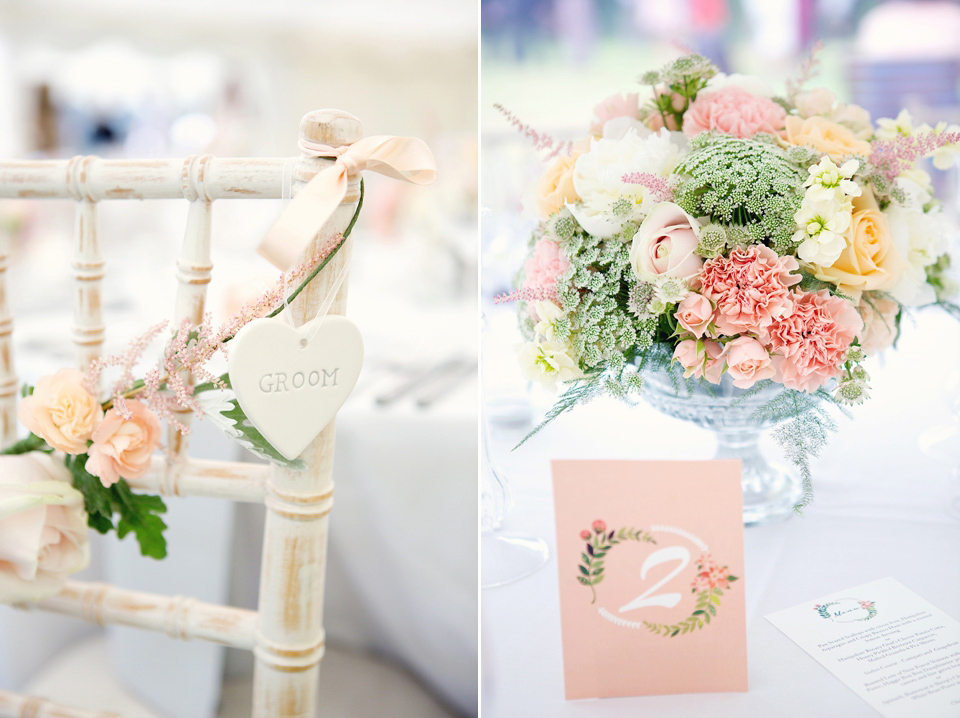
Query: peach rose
{"x": 747, "y": 362}
{"x": 880, "y": 327}
{"x": 665, "y": 245}
{"x": 122, "y": 447}
{"x": 694, "y": 314}
{"x": 870, "y": 260}
{"x": 700, "y": 359}
{"x": 733, "y": 111}
{"x": 830, "y": 138}
{"x": 43, "y": 527}
{"x": 61, "y": 411}
{"x": 556, "y": 186}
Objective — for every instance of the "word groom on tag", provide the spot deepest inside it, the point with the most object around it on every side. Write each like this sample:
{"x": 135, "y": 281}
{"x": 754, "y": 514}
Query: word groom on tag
{"x": 290, "y": 381}
{"x": 278, "y": 382}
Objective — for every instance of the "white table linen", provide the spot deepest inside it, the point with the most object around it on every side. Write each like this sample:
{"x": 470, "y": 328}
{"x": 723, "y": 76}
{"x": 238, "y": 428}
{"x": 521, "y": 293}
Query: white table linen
{"x": 880, "y": 510}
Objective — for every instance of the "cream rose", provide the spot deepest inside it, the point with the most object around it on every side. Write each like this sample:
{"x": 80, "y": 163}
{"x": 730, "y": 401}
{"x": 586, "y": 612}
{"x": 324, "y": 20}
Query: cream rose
{"x": 61, "y": 411}
{"x": 556, "y": 188}
{"x": 830, "y": 138}
{"x": 43, "y": 527}
{"x": 870, "y": 260}
{"x": 665, "y": 245}
{"x": 122, "y": 447}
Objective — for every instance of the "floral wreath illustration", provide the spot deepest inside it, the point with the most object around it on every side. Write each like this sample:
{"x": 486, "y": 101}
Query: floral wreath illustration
{"x": 824, "y": 610}
{"x": 708, "y": 585}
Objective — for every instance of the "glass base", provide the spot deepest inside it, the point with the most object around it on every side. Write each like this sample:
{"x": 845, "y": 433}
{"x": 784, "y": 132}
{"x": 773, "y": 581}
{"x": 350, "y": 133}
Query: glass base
{"x": 505, "y": 558}
{"x": 770, "y": 491}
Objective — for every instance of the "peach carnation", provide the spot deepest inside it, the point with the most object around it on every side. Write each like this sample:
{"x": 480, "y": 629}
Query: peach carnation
{"x": 811, "y": 341}
{"x": 733, "y": 111}
{"x": 750, "y": 289}
{"x": 122, "y": 447}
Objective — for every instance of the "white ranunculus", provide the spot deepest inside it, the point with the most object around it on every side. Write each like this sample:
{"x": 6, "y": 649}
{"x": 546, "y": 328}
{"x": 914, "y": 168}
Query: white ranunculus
{"x": 43, "y": 527}
{"x": 751, "y": 83}
{"x": 617, "y": 128}
{"x": 598, "y": 179}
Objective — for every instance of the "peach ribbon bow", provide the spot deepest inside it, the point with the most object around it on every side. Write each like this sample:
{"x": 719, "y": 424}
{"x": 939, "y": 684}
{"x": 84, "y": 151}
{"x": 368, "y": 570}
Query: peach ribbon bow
{"x": 403, "y": 158}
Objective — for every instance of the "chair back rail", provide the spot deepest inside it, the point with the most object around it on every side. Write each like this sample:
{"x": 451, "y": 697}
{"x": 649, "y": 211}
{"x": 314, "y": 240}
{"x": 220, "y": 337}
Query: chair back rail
{"x": 286, "y": 632}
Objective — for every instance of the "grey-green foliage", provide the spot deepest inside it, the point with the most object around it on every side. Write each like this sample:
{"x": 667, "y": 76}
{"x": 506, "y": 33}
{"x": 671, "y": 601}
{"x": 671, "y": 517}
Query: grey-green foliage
{"x": 751, "y": 183}
{"x": 621, "y": 379}
{"x": 805, "y": 425}
{"x": 593, "y": 291}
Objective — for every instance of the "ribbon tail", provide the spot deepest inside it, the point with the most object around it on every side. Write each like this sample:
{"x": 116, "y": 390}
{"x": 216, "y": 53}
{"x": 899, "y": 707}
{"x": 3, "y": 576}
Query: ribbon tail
{"x": 303, "y": 218}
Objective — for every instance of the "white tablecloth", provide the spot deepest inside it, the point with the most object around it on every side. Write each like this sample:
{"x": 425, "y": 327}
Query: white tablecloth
{"x": 880, "y": 510}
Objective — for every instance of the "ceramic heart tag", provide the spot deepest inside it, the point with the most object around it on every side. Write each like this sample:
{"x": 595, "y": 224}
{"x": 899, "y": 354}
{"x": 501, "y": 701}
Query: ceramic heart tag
{"x": 290, "y": 387}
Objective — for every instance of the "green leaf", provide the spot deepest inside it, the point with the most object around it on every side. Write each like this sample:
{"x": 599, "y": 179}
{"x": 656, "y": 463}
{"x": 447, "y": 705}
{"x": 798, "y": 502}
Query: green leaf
{"x": 26, "y": 390}
{"x": 583, "y": 570}
{"x": 138, "y": 513}
{"x": 586, "y": 559}
{"x": 582, "y": 580}
{"x": 598, "y": 579}
{"x": 31, "y": 443}
{"x": 96, "y": 497}
{"x": 713, "y": 611}
{"x": 254, "y": 440}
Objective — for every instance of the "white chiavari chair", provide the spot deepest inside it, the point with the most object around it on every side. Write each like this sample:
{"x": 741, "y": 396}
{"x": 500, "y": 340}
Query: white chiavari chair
{"x": 286, "y": 631}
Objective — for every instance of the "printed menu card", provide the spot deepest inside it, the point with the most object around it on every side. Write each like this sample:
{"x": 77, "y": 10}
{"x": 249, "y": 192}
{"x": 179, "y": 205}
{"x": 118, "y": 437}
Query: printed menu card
{"x": 650, "y": 557}
{"x": 895, "y": 650}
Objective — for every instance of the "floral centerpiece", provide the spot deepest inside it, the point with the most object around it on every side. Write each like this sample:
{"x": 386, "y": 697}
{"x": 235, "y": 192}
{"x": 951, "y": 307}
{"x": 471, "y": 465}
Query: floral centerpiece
{"x": 720, "y": 232}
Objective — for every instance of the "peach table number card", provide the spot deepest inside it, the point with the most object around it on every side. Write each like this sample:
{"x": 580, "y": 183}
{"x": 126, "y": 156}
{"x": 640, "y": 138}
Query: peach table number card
{"x": 650, "y": 557}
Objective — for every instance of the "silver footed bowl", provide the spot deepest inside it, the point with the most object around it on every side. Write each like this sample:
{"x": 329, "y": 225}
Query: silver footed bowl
{"x": 770, "y": 490}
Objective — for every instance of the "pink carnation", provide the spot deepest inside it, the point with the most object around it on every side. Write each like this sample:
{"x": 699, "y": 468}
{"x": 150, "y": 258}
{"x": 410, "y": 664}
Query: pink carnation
{"x": 811, "y": 342}
{"x": 733, "y": 111}
{"x": 543, "y": 268}
{"x": 614, "y": 106}
{"x": 544, "y": 265}
{"x": 749, "y": 289}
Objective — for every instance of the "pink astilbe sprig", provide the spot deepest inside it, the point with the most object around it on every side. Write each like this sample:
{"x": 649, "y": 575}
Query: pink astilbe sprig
{"x": 528, "y": 294}
{"x": 274, "y": 298}
{"x": 659, "y": 188}
{"x": 542, "y": 142}
{"x": 890, "y": 158}
{"x": 125, "y": 361}
{"x": 168, "y": 388}
{"x": 808, "y": 70}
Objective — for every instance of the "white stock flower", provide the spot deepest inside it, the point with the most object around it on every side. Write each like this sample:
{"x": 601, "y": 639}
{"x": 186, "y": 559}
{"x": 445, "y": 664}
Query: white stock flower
{"x": 598, "y": 179}
{"x": 887, "y": 129}
{"x": 827, "y": 181}
{"x": 548, "y": 362}
{"x": 549, "y": 313}
{"x": 921, "y": 238}
{"x": 821, "y": 233}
